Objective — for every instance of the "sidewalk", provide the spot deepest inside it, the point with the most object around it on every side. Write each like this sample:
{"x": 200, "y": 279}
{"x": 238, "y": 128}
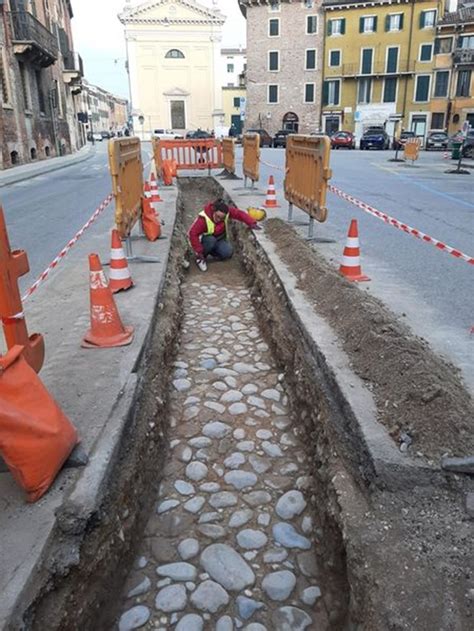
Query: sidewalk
{"x": 27, "y": 171}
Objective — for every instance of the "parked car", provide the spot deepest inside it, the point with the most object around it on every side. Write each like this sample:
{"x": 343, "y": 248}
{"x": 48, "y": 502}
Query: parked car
{"x": 105, "y": 135}
{"x": 344, "y": 139}
{"x": 198, "y": 133}
{"x": 468, "y": 148}
{"x": 436, "y": 140}
{"x": 400, "y": 142}
{"x": 166, "y": 134}
{"x": 97, "y": 136}
{"x": 279, "y": 139}
{"x": 375, "y": 137}
{"x": 265, "y": 138}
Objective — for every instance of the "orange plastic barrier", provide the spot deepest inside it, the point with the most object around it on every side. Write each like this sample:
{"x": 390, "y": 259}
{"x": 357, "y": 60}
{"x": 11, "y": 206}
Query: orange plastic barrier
{"x": 228, "y": 155}
{"x": 307, "y": 174}
{"x": 36, "y": 437}
{"x": 12, "y": 266}
{"x": 251, "y": 162}
{"x": 126, "y": 169}
{"x": 202, "y": 153}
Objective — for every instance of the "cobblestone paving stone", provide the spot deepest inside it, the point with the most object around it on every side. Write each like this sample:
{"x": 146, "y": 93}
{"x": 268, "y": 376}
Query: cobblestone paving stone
{"x": 229, "y": 542}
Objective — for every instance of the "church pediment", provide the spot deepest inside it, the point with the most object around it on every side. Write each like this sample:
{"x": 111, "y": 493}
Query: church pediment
{"x": 171, "y": 12}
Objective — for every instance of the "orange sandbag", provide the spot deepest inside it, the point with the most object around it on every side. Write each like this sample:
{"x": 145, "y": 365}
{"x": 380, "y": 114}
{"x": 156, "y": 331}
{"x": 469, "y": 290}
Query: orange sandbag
{"x": 151, "y": 223}
{"x": 36, "y": 437}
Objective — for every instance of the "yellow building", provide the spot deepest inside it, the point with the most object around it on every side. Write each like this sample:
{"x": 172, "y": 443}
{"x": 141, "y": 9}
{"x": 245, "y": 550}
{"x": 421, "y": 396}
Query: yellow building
{"x": 452, "y": 102}
{"x": 378, "y": 64}
{"x": 233, "y": 106}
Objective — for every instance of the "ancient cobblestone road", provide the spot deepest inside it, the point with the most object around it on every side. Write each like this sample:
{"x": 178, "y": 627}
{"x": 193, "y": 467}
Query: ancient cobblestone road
{"x": 229, "y": 543}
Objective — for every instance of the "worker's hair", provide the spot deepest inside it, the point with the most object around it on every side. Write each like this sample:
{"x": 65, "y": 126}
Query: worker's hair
{"x": 220, "y": 205}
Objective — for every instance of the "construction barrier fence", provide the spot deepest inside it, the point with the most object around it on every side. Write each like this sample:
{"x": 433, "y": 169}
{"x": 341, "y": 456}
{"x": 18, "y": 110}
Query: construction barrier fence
{"x": 202, "y": 153}
{"x": 126, "y": 169}
{"x": 308, "y": 173}
{"x": 251, "y": 161}
{"x": 228, "y": 154}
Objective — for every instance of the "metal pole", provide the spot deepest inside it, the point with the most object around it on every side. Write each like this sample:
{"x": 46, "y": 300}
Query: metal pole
{"x": 310, "y": 228}
{"x": 290, "y": 212}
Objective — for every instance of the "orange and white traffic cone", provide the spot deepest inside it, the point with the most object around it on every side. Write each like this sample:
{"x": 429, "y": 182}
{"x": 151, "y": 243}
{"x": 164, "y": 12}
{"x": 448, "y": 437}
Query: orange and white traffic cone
{"x": 106, "y": 329}
{"x": 350, "y": 266}
{"x": 119, "y": 276}
{"x": 271, "y": 200}
{"x": 155, "y": 195}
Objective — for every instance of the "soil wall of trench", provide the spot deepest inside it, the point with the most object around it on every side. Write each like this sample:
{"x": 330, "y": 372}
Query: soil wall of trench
{"x": 398, "y": 576}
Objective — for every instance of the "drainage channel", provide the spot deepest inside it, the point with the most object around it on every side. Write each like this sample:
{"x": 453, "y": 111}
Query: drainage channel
{"x": 233, "y": 539}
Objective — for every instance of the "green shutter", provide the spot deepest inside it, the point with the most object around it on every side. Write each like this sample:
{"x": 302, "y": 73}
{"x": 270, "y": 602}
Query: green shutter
{"x": 401, "y": 21}
{"x": 361, "y": 25}
{"x": 422, "y": 19}
{"x": 329, "y": 29}
{"x": 336, "y": 93}
{"x": 343, "y": 26}
{"x": 387, "y": 23}
{"x": 325, "y": 93}
{"x": 375, "y": 24}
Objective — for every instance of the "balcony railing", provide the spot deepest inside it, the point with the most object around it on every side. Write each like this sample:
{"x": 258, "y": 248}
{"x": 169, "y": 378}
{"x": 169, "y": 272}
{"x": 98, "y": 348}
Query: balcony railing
{"x": 463, "y": 56}
{"x": 73, "y": 63}
{"x": 30, "y": 35}
{"x": 380, "y": 68}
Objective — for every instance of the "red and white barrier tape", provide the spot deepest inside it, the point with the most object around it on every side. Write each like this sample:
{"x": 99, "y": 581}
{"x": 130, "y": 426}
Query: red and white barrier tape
{"x": 401, "y": 226}
{"x": 67, "y": 247}
{"x": 392, "y": 221}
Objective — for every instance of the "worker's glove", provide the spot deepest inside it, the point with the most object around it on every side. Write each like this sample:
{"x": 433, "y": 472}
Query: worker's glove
{"x": 255, "y": 227}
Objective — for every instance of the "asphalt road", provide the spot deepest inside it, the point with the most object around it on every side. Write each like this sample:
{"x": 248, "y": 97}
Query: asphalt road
{"x": 45, "y": 212}
{"x": 431, "y": 290}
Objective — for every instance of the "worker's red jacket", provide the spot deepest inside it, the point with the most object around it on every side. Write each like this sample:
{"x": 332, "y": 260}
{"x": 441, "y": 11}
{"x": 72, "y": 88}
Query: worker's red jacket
{"x": 199, "y": 226}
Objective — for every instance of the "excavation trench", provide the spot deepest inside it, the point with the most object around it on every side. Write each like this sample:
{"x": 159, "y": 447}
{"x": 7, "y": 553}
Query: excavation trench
{"x": 235, "y": 534}
{"x": 244, "y": 496}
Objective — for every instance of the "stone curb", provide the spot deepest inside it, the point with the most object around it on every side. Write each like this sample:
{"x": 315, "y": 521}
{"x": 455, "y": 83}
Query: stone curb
{"x": 28, "y": 171}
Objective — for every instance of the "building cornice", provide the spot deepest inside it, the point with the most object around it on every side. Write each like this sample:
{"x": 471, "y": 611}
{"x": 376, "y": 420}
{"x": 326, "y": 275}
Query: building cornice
{"x": 335, "y": 5}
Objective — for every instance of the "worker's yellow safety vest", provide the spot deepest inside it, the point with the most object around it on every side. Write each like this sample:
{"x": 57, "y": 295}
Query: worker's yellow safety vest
{"x": 211, "y": 226}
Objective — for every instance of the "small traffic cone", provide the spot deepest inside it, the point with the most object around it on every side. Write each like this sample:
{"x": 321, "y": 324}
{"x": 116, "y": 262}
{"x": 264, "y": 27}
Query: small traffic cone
{"x": 119, "y": 276}
{"x": 271, "y": 200}
{"x": 155, "y": 195}
{"x": 106, "y": 329}
{"x": 350, "y": 266}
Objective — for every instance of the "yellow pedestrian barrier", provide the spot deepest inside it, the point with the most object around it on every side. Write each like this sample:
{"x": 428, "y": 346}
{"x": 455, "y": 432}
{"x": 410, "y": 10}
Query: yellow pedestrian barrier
{"x": 251, "y": 163}
{"x": 228, "y": 155}
{"x": 307, "y": 175}
{"x": 411, "y": 151}
{"x": 126, "y": 169}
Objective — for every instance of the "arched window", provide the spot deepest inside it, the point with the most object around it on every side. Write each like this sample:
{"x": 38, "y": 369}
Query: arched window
{"x": 174, "y": 53}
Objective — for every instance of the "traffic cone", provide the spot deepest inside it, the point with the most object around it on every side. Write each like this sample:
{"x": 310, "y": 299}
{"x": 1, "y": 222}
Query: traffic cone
{"x": 155, "y": 195}
{"x": 106, "y": 329}
{"x": 350, "y": 266}
{"x": 271, "y": 200}
{"x": 119, "y": 276}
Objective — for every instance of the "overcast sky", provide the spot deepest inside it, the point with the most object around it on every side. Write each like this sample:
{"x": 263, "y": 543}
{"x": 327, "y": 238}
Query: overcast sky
{"x": 98, "y": 38}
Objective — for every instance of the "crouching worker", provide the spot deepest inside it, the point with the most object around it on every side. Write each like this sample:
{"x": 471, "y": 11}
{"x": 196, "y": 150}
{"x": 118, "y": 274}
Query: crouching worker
{"x": 209, "y": 235}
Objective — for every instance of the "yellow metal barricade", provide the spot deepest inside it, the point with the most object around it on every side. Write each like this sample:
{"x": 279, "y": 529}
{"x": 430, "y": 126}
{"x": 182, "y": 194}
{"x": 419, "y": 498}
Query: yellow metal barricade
{"x": 307, "y": 174}
{"x": 228, "y": 154}
{"x": 155, "y": 143}
{"x": 411, "y": 151}
{"x": 251, "y": 164}
{"x": 126, "y": 169}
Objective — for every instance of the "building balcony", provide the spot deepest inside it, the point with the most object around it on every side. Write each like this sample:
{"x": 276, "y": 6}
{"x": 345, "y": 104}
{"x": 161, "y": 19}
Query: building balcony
{"x": 32, "y": 39}
{"x": 73, "y": 68}
{"x": 379, "y": 69}
{"x": 463, "y": 56}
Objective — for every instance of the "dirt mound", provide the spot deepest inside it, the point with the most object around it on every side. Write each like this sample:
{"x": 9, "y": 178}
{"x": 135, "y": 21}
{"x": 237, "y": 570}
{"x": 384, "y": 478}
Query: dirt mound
{"x": 418, "y": 395}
